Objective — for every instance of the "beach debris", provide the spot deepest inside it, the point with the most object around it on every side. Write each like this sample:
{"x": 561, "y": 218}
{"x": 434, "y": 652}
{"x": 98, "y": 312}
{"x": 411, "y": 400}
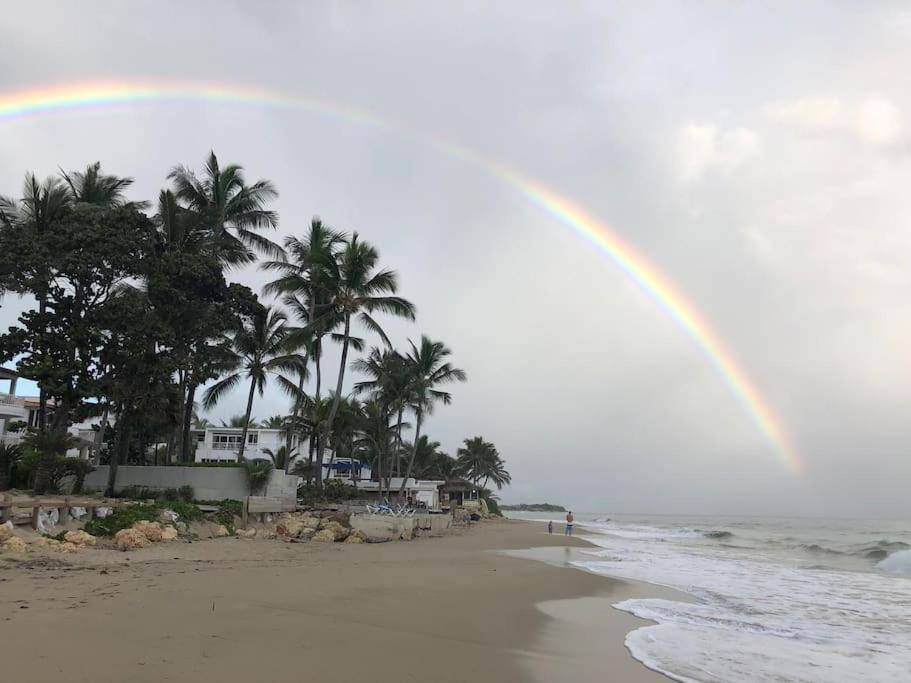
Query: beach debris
{"x": 102, "y": 512}
{"x": 151, "y": 530}
{"x": 47, "y": 520}
{"x": 324, "y": 536}
{"x": 130, "y": 539}
{"x": 78, "y": 513}
{"x": 7, "y": 530}
{"x": 79, "y": 538}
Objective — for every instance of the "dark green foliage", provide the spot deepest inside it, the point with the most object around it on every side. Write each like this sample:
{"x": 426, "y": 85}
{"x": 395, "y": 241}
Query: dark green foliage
{"x": 138, "y": 493}
{"x": 534, "y": 507}
{"x": 333, "y": 491}
{"x": 258, "y": 472}
{"x": 228, "y": 509}
{"x": 493, "y": 506}
{"x": 121, "y": 518}
{"x": 10, "y": 455}
{"x": 186, "y": 493}
{"x": 170, "y": 495}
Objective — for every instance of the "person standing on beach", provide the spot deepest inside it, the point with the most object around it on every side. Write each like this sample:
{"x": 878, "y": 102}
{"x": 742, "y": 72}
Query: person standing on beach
{"x": 550, "y": 526}
{"x": 569, "y": 524}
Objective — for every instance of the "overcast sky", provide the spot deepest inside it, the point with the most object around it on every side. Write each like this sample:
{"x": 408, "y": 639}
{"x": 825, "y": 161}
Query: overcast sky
{"x": 758, "y": 154}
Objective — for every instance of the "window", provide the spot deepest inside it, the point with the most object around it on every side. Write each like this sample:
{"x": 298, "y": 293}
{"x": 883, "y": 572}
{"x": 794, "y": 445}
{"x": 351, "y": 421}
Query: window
{"x": 226, "y": 442}
{"x": 200, "y": 437}
{"x": 252, "y": 437}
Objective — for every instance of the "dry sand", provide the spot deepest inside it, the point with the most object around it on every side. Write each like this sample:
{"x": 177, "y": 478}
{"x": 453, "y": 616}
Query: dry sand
{"x": 435, "y": 609}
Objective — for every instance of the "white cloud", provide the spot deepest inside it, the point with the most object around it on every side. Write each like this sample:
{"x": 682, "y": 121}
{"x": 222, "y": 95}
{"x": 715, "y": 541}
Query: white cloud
{"x": 874, "y": 119}
{"x": 705, "y": 148}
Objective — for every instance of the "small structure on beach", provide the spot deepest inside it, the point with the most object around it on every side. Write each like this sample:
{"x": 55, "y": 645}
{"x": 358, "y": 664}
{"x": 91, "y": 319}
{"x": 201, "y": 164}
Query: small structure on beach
{"x": 460, "y": 493}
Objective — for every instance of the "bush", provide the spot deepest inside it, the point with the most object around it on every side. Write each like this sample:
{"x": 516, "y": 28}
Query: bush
{"x": 78, "y": 469}
{"x": 228, "y": 509}
{"x": 121, "y": 518}
{"x": 170, "y": 495}
{"x": 186, "y": 493}
{"x": 493, "y": 507}
{"x": 258, "y": 472}
{"x": 138, "y": 493}
{"x": 334, "y": 491}
{"x": 10, "y": 455}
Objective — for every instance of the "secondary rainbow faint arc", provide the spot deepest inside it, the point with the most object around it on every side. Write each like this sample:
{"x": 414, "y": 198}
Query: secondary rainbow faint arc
{"x": 654, "y": 283}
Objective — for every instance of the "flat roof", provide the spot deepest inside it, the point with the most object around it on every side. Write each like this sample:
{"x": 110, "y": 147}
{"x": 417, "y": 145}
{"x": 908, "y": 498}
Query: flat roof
{"x": 7, "y": 373}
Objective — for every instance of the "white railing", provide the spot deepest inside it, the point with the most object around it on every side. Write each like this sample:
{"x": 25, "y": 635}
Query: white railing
{"x": 11, "y": 400}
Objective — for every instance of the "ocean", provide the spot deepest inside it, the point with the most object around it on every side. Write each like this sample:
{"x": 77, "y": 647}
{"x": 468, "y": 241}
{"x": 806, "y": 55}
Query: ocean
{"x": 772, "y": 599}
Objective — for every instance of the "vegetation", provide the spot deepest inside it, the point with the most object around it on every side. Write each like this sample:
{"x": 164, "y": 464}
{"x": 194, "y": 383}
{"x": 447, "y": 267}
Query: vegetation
{"x": 534, "y": 507}
{"x": 133, "y": 329}
{"x": 10, "y": 455}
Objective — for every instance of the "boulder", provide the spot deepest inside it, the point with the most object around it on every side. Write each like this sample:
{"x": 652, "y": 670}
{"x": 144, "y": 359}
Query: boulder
{"x": 44, "y": 541}
{"x": 246, "y": 533}
{"x": 220, "y": 531}
{"x": 168, "y": 517}
{"x": 289, "y": 525}
{"x": 407, "y": 534}
{"x": 356, "y": 537}
{"x": 338, "y": 531}
{"x": 324, "y": 536}
{"x": 66, "y": 547}
{"x": 6, "y": 531}
{"x": 311, "y": 522}
{"x": 307, "y": 534}
{"x": 343, "y": 518}
{"x": 130, "y": 539}
{"x": 79, "y": 538}
{"x": 14, "y": 544}
{"x": 268, "y": 534}
{"x": 151, "y": 530}
{"x": 168, "y": 533}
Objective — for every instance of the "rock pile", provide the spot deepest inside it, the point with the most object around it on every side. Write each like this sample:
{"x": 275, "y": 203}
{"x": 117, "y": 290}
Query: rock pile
{"x": 302, "y": 526}
{"x": 143, "y": 534}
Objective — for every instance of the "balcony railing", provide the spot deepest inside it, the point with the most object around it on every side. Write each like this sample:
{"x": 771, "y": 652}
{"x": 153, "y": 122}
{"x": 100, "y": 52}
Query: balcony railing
{"x": 10, "y": 400}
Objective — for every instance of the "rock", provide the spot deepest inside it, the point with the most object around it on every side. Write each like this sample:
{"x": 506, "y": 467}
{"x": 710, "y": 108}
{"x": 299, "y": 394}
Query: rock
{"x": 67, "y": 548}
{"x": 14, "y": 544}
{"x": 79, "y": 538}
{"x": 289, "y": 525}
{"x": 130, "y": 539}
{"x": 168, "y": 533}
{"x": 311, "y": 522}
{"x": 343, "y": 518}
{"x": 407, "y": 534}
{"x": 246, "y": 533}
{"x": 324, "y": 536}
{"x": 268, "y": 534}
{"x": 151, "y": 530}
{"x": 220, "y": 531}
{"x": 43, "y": 542}
{"x": 6, "y": 531}
{"x": 338, "y": 531}
{"x": 356, "y": 537}
{"x": 168, "y": 517}
{"x": 307, "y": 534}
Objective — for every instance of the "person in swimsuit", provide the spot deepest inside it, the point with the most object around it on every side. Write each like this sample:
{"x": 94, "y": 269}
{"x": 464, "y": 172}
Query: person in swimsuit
{"x": 569, "y": 524}
{"x": 550, "y": 527}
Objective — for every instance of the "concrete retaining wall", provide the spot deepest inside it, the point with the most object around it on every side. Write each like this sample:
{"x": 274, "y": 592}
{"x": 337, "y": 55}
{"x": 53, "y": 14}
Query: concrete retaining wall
{"x": 388, "y": 527}
{"x": 209, "y": 483}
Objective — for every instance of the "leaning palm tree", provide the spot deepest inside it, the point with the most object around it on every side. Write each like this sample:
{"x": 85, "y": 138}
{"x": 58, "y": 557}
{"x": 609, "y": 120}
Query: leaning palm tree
{"x": 429, "y": 369}
{"x": 259, "y": 350}
{"x": 358, "y": 290}
{"x": 232, "y": 210}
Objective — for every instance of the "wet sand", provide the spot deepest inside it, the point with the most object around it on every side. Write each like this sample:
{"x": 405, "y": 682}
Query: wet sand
{"x": 443, "y": 609}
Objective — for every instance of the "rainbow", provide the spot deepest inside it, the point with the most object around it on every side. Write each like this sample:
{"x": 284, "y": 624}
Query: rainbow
{"x": 647, "y": 277}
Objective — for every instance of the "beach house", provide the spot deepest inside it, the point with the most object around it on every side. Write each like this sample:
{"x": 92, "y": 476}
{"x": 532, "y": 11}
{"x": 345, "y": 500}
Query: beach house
{"x": 460, "y": 493}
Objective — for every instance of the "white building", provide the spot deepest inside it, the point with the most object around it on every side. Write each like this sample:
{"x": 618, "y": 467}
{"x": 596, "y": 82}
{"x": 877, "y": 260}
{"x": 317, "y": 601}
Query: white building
{"x": 222, "y": 444}
{"x": 13, "y": 408}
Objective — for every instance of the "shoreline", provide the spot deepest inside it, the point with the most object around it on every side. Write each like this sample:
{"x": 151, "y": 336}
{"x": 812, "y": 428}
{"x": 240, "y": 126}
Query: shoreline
{"x": 466, "y": 604}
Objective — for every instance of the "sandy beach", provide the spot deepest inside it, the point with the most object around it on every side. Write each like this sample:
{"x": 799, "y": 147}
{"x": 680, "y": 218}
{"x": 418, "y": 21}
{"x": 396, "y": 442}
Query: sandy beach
{"x": 442, "y": 609}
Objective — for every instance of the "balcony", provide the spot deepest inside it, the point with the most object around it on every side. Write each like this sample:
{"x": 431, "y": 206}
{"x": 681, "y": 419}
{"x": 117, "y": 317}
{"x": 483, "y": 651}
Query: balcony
{"x": 12, "y": 407}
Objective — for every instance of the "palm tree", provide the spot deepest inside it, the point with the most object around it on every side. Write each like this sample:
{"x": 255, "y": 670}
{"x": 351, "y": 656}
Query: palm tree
{"x": 376, "y": 435}
{"x": 279, "y": 458}
{"x": 429, "y": 369}
{"x": 232, "y": 210}
{"x": 479, "y": 459}
{"x": 426, "y": 458}
{"x": 238, "y": 421}
{"x": 392, "y": 385}
{"x": 258, "y": 351}
{"x": 358, "y": 290}
{"x": 94, "y": 187}
{"x": 10, "y": 455}
{"x": 274, "y": 422}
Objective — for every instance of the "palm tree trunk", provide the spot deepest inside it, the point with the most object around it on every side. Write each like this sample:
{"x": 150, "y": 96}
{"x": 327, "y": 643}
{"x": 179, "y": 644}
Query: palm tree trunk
{"x": 186, "y": 422}
{"x": 398, "y": 444}
{"x": 335, "y": 402}
{"x": 414, "y": 451}
{"x": 181, "y": 408}
{"x": 121, "y": 444}
{"x": 42, "y": 394}
{"x": 243, "y": 434}
{"x": 295, "y": 413}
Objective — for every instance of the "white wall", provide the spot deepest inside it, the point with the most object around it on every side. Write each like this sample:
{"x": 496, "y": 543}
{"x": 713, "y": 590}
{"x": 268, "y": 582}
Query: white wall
{"x": 209, "y": 483}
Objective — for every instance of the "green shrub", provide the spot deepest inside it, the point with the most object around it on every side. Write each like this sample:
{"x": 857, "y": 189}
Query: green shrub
{"x": 493, "y": 507}
{"x": 121, "y": 518}
{"x": 138, "y": 493}
{"x": 186, "y": 493}
{"x": 170, "y": 495}
{"x": 228, "y": 509}
{"x": 188, "y": 512}
{"x": 258, "y": 472}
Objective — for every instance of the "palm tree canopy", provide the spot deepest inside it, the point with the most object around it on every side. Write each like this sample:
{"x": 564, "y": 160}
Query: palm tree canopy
{"x": 92, "y": 186}
{"x": 429, "y": 368}
{"x": 479, "y": 459}
{"x": 230, "y": 208}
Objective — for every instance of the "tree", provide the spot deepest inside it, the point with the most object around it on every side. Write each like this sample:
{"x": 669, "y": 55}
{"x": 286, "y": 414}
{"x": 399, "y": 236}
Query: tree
{"x": 92, "y": 186}
{"x": 230, "y": 208}
{"x": 274, "y": 422}
{"x": 427, "y": 456}
{"x": 358, "y": 290}
{"x": 429, "y": 369}
{"x": 259, "y": 350}
{"x": 10, "y": 455}
{"x": 279, "y": 458}
{"x": 59, "y": 343}
{"x": 479, "y": 459}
